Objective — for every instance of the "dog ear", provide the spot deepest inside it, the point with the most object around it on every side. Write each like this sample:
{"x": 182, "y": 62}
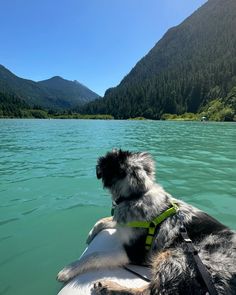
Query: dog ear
{"x": 147, "y": 163}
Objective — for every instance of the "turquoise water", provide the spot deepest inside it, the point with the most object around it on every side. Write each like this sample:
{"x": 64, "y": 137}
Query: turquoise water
{"x": 50, "y": 198}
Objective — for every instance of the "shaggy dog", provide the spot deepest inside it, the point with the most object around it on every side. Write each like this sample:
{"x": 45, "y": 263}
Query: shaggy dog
{"x": 130, "y": 177}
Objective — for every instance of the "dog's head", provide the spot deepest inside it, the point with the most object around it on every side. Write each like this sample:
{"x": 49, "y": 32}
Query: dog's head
{"x": 126, "y": 173}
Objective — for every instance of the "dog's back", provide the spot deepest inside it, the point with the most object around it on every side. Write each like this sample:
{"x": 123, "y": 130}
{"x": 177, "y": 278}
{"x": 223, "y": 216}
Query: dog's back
{"x": 176, "y": 270}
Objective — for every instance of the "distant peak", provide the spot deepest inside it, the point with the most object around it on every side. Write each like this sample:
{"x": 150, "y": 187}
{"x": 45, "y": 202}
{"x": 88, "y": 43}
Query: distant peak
{"x": 77, "y": 82}
{"x": 57, "y": 78}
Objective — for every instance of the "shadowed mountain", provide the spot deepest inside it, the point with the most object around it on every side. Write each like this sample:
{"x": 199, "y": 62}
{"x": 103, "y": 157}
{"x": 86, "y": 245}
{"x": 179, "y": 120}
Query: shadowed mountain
{"x": 70, "y": 91}
{"x": 55, "y": 93}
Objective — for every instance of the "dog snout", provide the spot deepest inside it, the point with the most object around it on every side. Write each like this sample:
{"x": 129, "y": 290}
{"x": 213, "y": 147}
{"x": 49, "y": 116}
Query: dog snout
{"x": 98, "y": 172}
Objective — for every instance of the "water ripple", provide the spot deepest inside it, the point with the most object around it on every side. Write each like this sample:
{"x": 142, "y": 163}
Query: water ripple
{"x": 2, "y": 222}
{"x": 48, "y": 185}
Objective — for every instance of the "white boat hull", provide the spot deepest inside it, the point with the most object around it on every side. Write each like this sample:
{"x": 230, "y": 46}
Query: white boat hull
{"x": 83, "y": 283}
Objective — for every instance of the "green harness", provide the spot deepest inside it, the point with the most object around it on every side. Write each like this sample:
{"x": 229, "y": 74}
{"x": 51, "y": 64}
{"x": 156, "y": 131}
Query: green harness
{"x": 152, "y": 225}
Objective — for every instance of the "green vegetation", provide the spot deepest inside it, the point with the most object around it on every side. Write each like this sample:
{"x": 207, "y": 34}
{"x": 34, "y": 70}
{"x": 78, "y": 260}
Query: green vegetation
{"x": 13, "y": 107}
{"x": 221, "y": 109}
{"x": 215, "y": 110}
{"x": 81, "y": 116}
{"x": 137, "y": 118}
{"x": 183, "y": 117}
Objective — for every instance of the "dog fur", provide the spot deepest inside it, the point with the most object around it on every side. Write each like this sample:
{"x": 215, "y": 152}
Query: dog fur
{"x": 131, "y": 176}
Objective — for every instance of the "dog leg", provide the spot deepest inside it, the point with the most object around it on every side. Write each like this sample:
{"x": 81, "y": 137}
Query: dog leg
{"x": 95, "y": 260}
{"x": 112, "y": 288}
{"x": 172, "y": 274}
{"x": 104, "y": 223}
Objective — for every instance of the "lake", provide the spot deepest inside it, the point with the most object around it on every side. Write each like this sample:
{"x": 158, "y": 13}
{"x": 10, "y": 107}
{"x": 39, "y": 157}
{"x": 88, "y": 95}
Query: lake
{"x": 50, "y": 197}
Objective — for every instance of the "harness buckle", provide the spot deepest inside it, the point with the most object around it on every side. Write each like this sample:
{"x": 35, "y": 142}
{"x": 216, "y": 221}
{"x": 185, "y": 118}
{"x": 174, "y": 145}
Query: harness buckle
{"x": 187, "y": 240}
{"x": 152, "y": 224}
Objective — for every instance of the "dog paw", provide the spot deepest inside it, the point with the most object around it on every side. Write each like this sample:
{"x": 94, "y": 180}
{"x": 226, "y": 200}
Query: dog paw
{"x": 106, "y": 288}
{"x": 100, "y": 225}
{"x": 64, "y": 275}
{"x": 91, "y": 236}
{"x": 100, "y": 288}
{"x": 94, "y": 231}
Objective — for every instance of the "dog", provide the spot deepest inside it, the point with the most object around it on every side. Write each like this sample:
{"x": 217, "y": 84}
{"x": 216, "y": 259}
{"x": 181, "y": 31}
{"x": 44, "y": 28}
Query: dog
{"x": 130, "y": 178}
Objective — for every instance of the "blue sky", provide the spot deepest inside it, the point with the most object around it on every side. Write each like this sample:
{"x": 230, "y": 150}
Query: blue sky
{"x": 96, "y": 42}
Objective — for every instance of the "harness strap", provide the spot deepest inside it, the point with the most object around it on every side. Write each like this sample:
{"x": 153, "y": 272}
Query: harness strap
{"x": 202, "y": 270}
{"x": 152, "y": 225}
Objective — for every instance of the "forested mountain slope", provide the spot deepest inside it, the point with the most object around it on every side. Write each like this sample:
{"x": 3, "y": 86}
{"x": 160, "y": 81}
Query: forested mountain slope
{"x": 194, "y": 63}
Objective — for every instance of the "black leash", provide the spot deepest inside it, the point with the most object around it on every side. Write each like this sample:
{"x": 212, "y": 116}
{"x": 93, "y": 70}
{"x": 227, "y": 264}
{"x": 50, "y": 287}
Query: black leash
{"x": 202, "y": 270}
{"x": 144, "y": 278}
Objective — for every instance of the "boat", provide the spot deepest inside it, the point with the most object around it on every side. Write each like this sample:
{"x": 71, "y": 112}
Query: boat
{"x": 130, "y": 276}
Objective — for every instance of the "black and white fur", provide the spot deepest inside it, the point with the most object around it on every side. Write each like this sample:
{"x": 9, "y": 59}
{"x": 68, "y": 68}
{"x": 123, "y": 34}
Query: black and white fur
{"x": 130, "y": 177}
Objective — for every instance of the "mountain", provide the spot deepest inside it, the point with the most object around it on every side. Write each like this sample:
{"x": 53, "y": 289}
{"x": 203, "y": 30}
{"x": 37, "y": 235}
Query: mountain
{"x": 193, "y": 64}
{"x": 70, "y": 91}
{"x": 55, "y": 93}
